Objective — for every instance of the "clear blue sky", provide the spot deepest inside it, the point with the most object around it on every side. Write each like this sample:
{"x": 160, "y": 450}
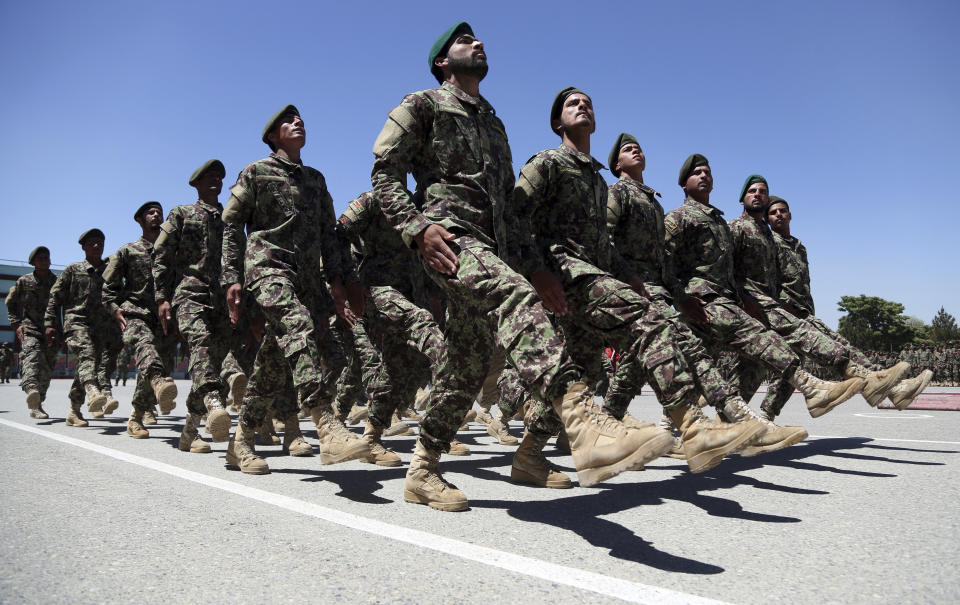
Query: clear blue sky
{"x": 850, "y": 109}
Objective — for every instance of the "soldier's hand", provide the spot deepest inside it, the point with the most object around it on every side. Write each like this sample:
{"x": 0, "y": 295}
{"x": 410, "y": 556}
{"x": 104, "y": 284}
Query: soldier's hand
{"x": 692, "y": 308}
{"x": 51, "y": 334}
{"x": 356, "y": 297}
{"x": 550, "y": 290}
{"x": 233, "y": 303}
{"x": 432, "y": 244}
{"x": 339, "y": 294}
{"x": 20, "y": 332}
{"x": 164, "y": 312}
{"x": 121, "y": 320}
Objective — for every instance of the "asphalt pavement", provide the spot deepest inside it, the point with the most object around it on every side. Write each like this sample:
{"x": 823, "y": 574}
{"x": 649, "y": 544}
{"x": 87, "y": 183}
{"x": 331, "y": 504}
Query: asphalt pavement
{"x": 864, "y": 511}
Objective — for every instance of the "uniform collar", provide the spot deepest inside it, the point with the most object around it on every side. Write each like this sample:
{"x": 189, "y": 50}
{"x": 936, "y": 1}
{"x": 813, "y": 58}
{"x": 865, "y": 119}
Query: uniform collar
{"x": 478, "y": 102}
{"x": 581, "y": 158}
{"x": 706, "y": 208}
{"x": 641, "y": 186}
{"x": 210, "y": 207}
{"x": 287, "y": 164}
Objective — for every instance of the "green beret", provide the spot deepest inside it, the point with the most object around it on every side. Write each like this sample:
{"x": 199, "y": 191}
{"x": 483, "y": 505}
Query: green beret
{"x": 777, "y": 200}
{"x": 689, "y": 164}
{"x": 214, "y": 163}
{"x": 276, "y": 118}
{"x": 91, "y": 233}
{"x": 442, "y": 44}
{"x": 37, "y": 251}
{"x": 144, "y": 207}
{"x": 753, "y": 178}
{"x": 622, "y": 140}
{"x": 558, "y": 103}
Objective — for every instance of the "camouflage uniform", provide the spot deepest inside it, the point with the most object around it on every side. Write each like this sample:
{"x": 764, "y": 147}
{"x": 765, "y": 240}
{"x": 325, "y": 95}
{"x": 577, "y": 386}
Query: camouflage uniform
{"x": 562, "y": 199}
{"x": 128, "y": 286}
{"x": 699, "y": 250}
{"x": 91, "y": 333}
{"x": 26, "y": 304}
{"x": 288, "y": 215}
{"x": 635, "y": 223}
{"x": 410, "y": 341}
{"x": 6, "y": 360}
{"x": 456, "y": 148}
{"x": 123, "y": 364}
{"x": 185, "y": 271}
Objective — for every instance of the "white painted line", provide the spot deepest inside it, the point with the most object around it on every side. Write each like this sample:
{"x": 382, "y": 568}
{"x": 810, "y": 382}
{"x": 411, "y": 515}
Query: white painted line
{"x": 632, "y": 592}
{"x": 895, "y": 416}
{"x": 884, "y": 439}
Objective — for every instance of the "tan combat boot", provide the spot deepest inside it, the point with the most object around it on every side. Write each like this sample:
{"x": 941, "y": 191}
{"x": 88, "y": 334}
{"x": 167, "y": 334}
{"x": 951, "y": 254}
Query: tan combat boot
{"x": 166, "y": 392}
{"x": 95, "y": 397}
{"x": 39, "y": 413}
{"x": 903, "y": 394}
{"x": 601, "y": 446}
{"x": 822, "y": 395}
{"x": 358, "y": 414}
{"x": 425, "y": 485}
{"x": 267, "y": 431}
{"x": 241, "y": 453}
{"x": 878, "y": 384}
{"x": 34, "y": 399}
{"x": 470, "y": 417}
{"x": 111, "y": 404}
{"x": 218, "y": 418}
{"x": 74, "y": 417}
{"x": 379, "y": 455}
{"x": 293, "y": 442}
{"x": 421, "y": 400}
{"x": 337, "y": 443}
{"x": 398, "y": 428}
{"x": 496, "y": 428}
{"x": 190, "y": 439}
{"x": 676, "y": 450}
{"x": 458, "y": 449}
{"x": 150, "y": 416}
{"x": 705, "y": 443}
{"x": 135, "y": 425}
{"x": 563, "y": 442}
{"x": 530, "y": 466}
{"x": 237, "y": 383}
{"x": 408, "y": 413}
{"x": 773, "y": 439}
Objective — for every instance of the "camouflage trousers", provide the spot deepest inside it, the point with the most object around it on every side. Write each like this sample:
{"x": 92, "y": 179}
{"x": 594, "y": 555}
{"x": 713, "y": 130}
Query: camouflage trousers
{"x": 411, "y": 345}
{"x": 97, "y": 348}
{"x": 205, "y": 326}
{"x": 154, "y": 352}
{"x": 489, "y": 305}
{"x": 604, "y": 311}
{"x": 36, "y": 363}
{"x": 363, "y": 362}
{"x": 707, "y": 378}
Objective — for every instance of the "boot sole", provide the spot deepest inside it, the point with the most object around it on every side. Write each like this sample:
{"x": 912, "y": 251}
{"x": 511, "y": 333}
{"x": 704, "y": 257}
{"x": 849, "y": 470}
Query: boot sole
{"x": 904, "y": 402}
{"x": 415, "y": 498}
{"x": 854, "y": 388}
{"x": 650, "y": 450}
{"x": 707, "y": 460}
{"x": 112, "y": 405}
{"x": 355, "y": 452}
{"x": 218, "y": 425}
{"x": 166, "y": 398}
{"x": 521, "y": 476}
{"x": 875, "y": 394}
{"x": 754, "y": 450}
{"x": 96, "y": 404}
{"x": 238, "y": 389}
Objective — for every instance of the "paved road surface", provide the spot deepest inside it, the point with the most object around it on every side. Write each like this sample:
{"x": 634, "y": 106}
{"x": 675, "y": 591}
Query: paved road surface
{"x": 865, "y": 511}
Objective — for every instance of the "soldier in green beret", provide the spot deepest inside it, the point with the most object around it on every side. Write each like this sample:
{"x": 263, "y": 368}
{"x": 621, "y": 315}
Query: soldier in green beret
{"x": 26, "y": 305}
{"x": 278, "y": 241}
{"x": 90, "y": 331}
{"x": 128, "y": 294}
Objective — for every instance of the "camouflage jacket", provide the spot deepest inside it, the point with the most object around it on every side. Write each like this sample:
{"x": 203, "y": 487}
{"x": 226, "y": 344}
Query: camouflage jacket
{"x": 793, "y": 273}
{"x": 385, "y": 260}
{"x": 27, "y": 302}
{"x": 699, "y": 251}
{"x": 289, "y": 220}
{"x": 561, "y": 202}
{"x": 635, "y": 222}
{"x": 754, "y": 259}
{"x": 78, "y": 292}
{"x": 128, "y": 280}
{"x": 186, "y": 259}
{"x": 456, "y": 148}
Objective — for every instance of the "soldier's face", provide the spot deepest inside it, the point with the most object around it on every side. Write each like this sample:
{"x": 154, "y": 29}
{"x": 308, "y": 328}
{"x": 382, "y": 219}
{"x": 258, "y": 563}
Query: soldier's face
{"x": 41, "y": 260}
{"x": 151, "y": 218}
{"x": 467, "y": 56}
{"x": 632, "y": 158}
{"x": 209, "y": 182}
{"x": 577, "y": 113}
{"x": 699, "y": 181}
{"x": 778, "y": 216}
{"x": 756, "y": 198}
{"x": 93, "y": 247}
{"x": 289, "y": 133}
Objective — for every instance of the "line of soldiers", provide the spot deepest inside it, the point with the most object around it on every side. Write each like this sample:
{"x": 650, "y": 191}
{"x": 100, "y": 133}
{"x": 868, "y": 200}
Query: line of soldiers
{"x": 535, "y": 275}
{"x": 943, "y": 359}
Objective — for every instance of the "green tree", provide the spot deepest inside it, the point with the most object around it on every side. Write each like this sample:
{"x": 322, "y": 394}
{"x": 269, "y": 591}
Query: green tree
{"x": 874, "y": 323}
{"x": 944, "y": 327}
